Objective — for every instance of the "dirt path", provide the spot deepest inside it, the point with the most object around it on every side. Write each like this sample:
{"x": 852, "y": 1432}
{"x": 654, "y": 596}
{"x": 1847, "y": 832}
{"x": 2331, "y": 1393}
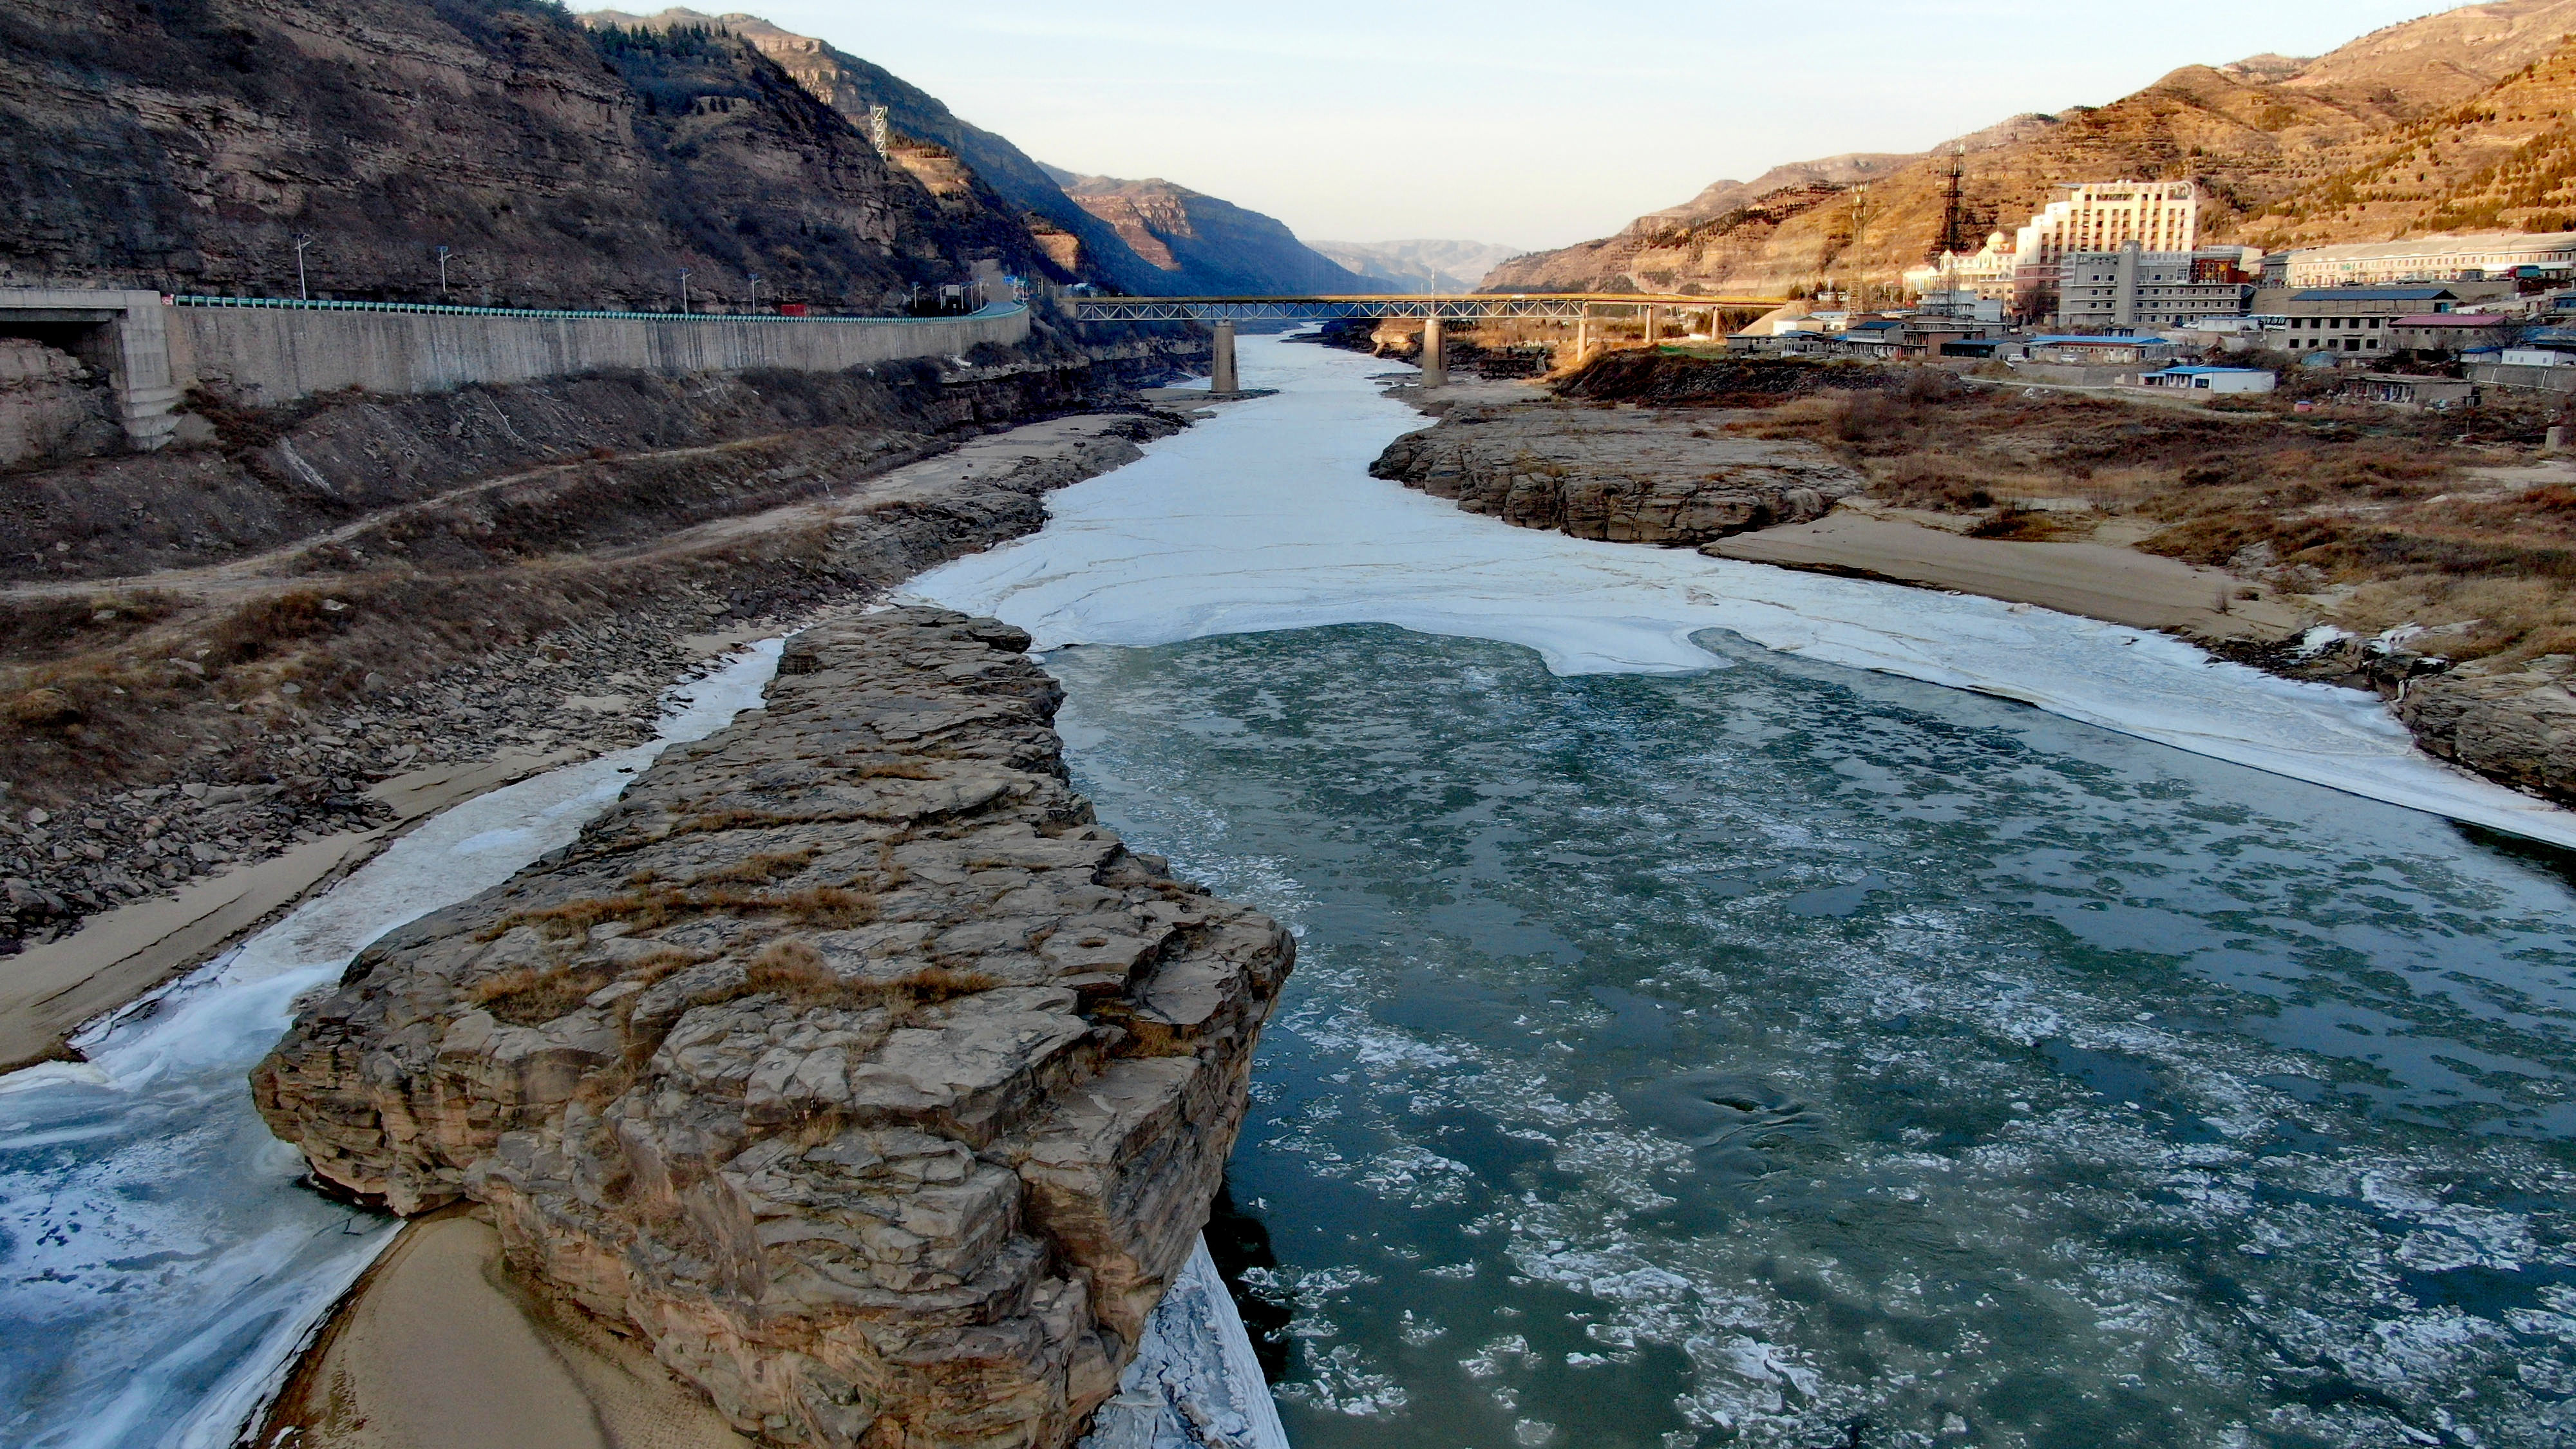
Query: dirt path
{"x": 261, "y": 570}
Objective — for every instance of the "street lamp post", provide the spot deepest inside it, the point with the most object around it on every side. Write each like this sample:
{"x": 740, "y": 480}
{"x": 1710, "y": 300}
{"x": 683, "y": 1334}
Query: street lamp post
{"x": 684, "y": 290}
{"x": 755, "y": 293}
{"x": 302, "y": 240}
{"x": 442, "y": 274}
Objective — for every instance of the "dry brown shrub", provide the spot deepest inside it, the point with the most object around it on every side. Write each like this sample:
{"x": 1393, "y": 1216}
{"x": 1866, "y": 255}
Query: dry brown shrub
{"x": 793, "y": 968}
{"x": 2013, "y": 523}
{"x": 827, "y": 906}
{"x": 759, "y": 869}
{"x": 533, "y": 996}
{"x": 897, "y": 770}
{"x": 645, "y": 909}
{"x": 730, "y": 818}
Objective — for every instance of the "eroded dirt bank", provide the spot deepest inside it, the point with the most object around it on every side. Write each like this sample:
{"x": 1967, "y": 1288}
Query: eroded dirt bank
{"x": 177, "y": 727}
{"x": 847, "y": 1062}
{"x": 2353, "y": 547}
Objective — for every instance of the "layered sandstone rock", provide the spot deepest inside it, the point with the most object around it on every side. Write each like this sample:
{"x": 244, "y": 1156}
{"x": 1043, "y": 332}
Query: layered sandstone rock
{"x": 846, "y": 1061}
{"x": 1622, "y": 476}
{"x": 2517, "y": 727}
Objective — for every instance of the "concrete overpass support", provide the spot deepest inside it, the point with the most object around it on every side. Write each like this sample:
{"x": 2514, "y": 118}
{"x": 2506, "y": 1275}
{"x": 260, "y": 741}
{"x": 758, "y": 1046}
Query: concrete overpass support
{"x": 1435, "y": 353}
{"x": 1221, "y": 374}
{"x": 123, "y": 336}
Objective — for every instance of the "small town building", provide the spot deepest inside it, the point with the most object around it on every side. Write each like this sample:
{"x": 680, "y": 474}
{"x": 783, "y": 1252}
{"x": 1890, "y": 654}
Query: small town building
{"x": 2545, "y": 361}
{"x": 2397, "y": 389}
{"x": 2355, "y": 320}
{"x": 2100, "y": 351}
{"x": 2213, "y": 379}
{"x": 2447, "y": 332}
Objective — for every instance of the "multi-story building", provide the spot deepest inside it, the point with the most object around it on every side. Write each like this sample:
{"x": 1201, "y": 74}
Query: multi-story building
{"x": 2356, "y": 320}
{"x": 2099, "y": 216}
{"x": 2430, "y": 259}
{"x": 2132, "y": 287}
{"x": 2023, "y": 269}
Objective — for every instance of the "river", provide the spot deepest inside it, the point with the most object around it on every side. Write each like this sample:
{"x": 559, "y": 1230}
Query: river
{"x": 1712, "y": 1026}
{"x": 1698, "y": 1040}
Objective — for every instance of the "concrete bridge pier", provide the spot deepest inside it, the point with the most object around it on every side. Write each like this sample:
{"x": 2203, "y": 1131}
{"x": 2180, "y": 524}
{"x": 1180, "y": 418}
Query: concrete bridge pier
{"x": 1435, "y": 353}
{"x": 1221, "y": 375}
{"x": 1583, "y": 336}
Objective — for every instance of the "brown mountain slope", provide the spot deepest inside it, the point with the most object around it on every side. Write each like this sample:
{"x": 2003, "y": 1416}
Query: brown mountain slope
{"x": 2253, "y": 134}
{"x": 186, "y": 146}
{"x": 2442, "y": 59}
{"x": 2505, "y": 158}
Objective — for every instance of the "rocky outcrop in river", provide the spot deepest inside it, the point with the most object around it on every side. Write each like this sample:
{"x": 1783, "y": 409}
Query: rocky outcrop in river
{"x": 2517, "y": 726}
{"x": 1622, "y": 476}
{"x": 847, "y": 1061}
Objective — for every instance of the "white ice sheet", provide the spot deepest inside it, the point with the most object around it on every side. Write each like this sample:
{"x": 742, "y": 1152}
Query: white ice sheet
{"x": 1265, "y": 518}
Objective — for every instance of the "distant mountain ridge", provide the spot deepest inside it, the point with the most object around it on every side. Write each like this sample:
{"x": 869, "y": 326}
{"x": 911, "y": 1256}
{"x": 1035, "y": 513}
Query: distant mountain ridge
{"x": 1420, "y": 265}
{"x": 2270, "y": 139}
{"x": 1219, "y": 247}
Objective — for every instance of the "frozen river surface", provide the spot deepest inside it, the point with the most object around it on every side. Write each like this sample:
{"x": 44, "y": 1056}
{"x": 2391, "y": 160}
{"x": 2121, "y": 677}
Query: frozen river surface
{"x": 1703, "y": 1043}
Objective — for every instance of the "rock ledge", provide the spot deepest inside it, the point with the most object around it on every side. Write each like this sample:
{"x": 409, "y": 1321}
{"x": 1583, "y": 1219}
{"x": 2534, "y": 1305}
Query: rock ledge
{"x": 847, "y": 1061}
{"x": 1620, "y": 476}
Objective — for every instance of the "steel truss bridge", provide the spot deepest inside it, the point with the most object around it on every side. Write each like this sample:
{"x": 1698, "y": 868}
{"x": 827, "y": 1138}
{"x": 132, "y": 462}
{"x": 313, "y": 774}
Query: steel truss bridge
{"x": 1478, "y": 307}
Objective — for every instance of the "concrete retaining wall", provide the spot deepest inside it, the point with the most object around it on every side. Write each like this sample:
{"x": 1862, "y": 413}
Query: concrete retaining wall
{"x": 269, "y": 356}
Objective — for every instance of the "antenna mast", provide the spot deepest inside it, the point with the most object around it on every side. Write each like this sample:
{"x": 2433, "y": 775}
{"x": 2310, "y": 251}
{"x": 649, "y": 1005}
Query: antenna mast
{"x": 1954, "y": 214}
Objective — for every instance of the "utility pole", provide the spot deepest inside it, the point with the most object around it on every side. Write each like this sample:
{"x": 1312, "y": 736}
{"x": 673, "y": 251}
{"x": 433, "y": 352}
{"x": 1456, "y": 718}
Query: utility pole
{"x": 755, "y": 293}
{"x": 684, "y": 290}
{"x": 302, "y": 240}
{"x": 442, "y": 274}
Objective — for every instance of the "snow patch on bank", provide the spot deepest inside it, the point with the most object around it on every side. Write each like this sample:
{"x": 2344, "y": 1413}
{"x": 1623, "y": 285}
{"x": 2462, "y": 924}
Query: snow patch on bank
{"x": 1264, "y": 518}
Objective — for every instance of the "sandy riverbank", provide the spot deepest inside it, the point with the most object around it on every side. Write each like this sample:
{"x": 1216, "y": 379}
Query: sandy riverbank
{"x": 437, "y": 1347}
{"x": 2097, "y": 580}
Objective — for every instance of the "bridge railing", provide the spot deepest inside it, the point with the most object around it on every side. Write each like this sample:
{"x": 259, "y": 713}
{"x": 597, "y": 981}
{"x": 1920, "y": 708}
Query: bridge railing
{"x": 997, "y": 309}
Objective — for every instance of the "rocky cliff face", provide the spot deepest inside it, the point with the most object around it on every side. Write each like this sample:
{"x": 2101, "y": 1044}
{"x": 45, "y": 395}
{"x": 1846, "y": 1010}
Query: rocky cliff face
{"x": 1012, "y": 184}
{"x": 2274, "y": 142}
{"x": 188, "y": 147}
{"x": 847, "y": 1061}
{"x": 1619, "y": 477}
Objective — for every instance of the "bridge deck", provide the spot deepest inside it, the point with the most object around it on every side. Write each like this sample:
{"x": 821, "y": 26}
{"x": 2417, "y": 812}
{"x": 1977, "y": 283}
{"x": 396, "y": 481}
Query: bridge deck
{"x": 1469, "y": 307}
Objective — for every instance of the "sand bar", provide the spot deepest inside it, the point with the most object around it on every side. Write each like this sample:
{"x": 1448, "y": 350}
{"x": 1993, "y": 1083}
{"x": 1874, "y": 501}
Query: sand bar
{"x": 2099, "y": 581}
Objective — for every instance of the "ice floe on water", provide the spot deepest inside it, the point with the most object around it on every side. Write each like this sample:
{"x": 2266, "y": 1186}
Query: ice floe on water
{"x": 161, "y": 1260}
{"x": 1264, "y": 518}
{"x": 1741, "y": 1057}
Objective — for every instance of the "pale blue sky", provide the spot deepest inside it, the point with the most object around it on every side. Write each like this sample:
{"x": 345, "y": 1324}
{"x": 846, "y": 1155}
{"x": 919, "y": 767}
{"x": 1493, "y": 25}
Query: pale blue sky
{"x": 1523, "y": 123}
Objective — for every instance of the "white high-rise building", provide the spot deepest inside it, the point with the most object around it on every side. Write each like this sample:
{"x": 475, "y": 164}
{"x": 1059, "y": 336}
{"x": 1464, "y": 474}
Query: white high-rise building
{"x": 2103, "y": 216}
